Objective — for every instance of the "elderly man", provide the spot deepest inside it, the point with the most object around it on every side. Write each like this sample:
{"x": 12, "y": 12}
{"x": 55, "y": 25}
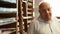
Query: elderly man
{"x": 44, "y": 24}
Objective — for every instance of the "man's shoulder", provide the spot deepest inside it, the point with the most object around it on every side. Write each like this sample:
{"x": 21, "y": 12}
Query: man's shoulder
{"x": 54, "y": 19}
{"x": 34, "y": 22}
{"x": 35, "y": 19}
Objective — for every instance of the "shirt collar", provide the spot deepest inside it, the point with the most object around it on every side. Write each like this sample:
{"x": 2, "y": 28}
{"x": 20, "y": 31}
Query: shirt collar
{"x": 53, "y": 20}
{"x": 41, "y": 20}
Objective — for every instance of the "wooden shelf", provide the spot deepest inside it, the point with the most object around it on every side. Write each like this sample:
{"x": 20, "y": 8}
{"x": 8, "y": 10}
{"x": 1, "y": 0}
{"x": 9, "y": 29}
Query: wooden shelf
{"x": 7, "y": 15}
{"x": 7, "y": 4}
{"x": 27, "y": 17}
{"x": 30, "y": 9}
{"x": 30, "y": 1}
{"x": 29, "y": 12}
{"x": 7, "y": 21}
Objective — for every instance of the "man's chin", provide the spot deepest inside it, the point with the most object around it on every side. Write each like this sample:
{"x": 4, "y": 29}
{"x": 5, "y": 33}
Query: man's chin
{"x": 48, "y": 18}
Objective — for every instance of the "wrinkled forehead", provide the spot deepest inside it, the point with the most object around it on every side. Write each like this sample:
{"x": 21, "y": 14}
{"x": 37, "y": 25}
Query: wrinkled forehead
{"x": 44, "y": 5}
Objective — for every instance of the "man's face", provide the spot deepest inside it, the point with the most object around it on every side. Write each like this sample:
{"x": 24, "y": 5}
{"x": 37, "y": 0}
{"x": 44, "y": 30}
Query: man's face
{"x": 45, "y": 11}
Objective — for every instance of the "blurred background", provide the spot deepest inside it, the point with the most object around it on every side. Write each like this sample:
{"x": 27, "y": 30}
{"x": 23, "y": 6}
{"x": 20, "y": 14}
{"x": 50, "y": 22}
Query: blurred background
{"x": 29, "y": 9}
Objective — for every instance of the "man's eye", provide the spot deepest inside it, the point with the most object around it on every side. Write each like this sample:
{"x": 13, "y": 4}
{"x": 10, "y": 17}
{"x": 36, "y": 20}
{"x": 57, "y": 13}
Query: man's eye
{"x": 48, "y": 9}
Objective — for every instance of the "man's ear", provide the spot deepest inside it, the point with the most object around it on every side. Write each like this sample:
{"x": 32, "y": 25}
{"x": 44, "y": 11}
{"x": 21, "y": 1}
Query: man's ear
{"x": 39, "y": 10}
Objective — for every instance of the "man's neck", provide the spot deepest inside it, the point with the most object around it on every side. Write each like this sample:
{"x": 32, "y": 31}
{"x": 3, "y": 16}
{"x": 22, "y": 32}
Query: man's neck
{"x": 45, "y": 19}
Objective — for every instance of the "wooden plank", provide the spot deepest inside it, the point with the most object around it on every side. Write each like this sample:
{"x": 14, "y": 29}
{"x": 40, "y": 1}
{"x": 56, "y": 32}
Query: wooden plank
{"x": 11, "y": 25}
{"x": 7, "y": 15}
{"x": 30, "y": 5}
{"x": 20, "y": 16}
{"x": 25, "y": 15}
{"x": 7, "y": 4}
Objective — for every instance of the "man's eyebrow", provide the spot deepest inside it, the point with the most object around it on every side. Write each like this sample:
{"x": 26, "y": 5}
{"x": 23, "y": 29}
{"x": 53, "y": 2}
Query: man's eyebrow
{"x": 46, "y": 8}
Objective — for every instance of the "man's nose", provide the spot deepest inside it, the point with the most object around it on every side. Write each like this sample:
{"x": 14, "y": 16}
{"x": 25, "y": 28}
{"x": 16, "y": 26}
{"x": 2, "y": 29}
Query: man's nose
{"x": 47, "y": 11}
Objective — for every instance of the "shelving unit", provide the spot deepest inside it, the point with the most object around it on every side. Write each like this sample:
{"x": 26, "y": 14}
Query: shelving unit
{"x": 23, "y": 16}
{"x": 8, "y": 16}
{"x": 25, "y": 7}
